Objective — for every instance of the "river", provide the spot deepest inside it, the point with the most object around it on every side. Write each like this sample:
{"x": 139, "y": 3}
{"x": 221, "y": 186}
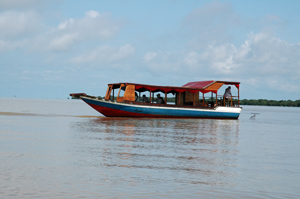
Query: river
{"x": 54, "y": 148}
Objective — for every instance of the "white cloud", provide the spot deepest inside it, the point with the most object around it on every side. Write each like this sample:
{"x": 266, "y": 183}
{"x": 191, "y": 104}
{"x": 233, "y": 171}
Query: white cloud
{"x": 94, "y": 26}
{"x": 210, "y": 23}
{"x": 92, "y": 14}
{"x": 268, "y": 55}
{"x": 191, "y": 58}
{"x": 64, "y": 42}
{"x": 10, "y": 45}
{"x": 12, "y": 4}
{"x": 280, "y": 84}
{"x": 17, "y": 26}
{"x": 14, "y": 25}
{"x": 202, "y": 48}
{"x": 64, "y": 24}
{"x": 262, "y": 56}
{"x": 159, "y": 63}
{"x": 105, "y": 54}
{"x": 149, "y": 56}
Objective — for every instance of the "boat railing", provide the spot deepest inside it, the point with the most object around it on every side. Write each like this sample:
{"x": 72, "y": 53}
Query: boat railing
{"x": 167, "y": 105}
{"x": 232, "y": 101}
{"x": 208, "y": 103}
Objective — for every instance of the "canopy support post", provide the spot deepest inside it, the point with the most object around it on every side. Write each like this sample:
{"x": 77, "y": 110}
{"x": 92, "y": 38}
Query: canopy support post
{"x": 193, "y": 99}
{"x": 153, "y": 97}
{"x": 239, "y": 96}
{"x": 211, "y": 98}
{"x": 166, "y": 98}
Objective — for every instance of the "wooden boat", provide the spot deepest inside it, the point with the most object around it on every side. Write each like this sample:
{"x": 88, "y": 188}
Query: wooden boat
{"x": 188, "y": 101}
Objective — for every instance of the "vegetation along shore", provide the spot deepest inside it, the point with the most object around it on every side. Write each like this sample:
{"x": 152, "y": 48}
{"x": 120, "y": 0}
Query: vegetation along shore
{"x": 265, "y": 102}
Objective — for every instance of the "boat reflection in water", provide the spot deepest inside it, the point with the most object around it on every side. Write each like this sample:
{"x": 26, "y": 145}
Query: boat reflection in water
{"x": 159, "y": 150}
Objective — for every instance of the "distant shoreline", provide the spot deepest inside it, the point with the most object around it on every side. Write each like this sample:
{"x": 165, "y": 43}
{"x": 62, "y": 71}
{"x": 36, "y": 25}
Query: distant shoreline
{"x": 265, "y": 102}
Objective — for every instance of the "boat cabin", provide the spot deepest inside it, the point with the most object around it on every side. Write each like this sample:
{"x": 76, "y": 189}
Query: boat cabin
{"x": 192, "y": 94}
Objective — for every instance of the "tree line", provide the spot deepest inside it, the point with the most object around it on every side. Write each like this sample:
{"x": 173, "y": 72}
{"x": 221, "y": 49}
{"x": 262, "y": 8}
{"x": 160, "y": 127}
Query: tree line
{"x": 265, "y": 102}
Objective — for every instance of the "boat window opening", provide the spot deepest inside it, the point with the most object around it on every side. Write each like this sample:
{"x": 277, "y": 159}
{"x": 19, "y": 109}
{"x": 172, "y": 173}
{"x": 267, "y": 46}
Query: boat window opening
{"x": 113, "y": 95}
{"x": 208, "y": 99}
{"x": 137, "y": 96}
{"x": 122, "y": 91}
{"x": 159, "y": 98}
{"x": 171, "y": 98}
{"x": 144, "y": 97}
{"x": 107, "y": 96}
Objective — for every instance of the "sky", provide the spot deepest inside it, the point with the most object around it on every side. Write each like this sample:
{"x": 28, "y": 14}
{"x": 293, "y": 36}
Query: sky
{"x": 49, "y": 49}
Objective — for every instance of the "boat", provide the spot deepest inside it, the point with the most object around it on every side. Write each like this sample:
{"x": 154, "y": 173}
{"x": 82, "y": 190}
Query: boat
{"x": 189, "y": 101}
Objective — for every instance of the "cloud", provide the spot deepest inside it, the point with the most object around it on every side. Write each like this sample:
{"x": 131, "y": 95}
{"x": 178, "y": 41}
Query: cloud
{"x": 210, "y": 24}
{"x": 268, "y": 55}
{"x": 92, "y": 14}
{"x": 13, "y": 4}
{"x": 10, "y": 45}
{"x": 63, "y": 25}
{"x": 18, "y": 24}
{"x": 159, "y": 63}
{"x": 281, "y": 84}
{"x": 262, "y": 56}
{"x": 63, "y": 42}
{"x": 261, "y": 59}
{"x": 149, "y": 56}
{"x": 203, "y": 47}
{"x": 17, "y": 28}
{"x": 93, "y": 26}
{"x": 105, "y": 54}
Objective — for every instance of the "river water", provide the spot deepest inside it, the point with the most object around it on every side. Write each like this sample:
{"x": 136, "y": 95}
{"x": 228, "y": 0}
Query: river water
{"x": 52, "y": 148}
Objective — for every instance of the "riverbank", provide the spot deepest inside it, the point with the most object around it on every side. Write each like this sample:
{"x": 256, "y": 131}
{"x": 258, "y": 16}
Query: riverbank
{"x": 265, "y": 102}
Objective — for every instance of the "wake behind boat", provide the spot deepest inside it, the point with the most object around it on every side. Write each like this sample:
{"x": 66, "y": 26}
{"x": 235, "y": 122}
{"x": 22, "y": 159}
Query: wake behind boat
{"x": 137, "y": 100}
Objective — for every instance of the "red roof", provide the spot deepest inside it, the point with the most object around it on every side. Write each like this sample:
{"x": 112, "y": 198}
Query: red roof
{"x": 199, "y": 84}
{"x": 192, "y": 87}
{"x": 205, "y": 84}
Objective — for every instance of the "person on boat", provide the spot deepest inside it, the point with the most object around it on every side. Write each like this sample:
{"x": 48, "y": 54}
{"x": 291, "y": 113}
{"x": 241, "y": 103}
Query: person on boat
{"x": 136, "y": 97}
{"x": 145, "y": 99}
{"x": 227, "y": 94}
{"x": 159, "y": 99}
